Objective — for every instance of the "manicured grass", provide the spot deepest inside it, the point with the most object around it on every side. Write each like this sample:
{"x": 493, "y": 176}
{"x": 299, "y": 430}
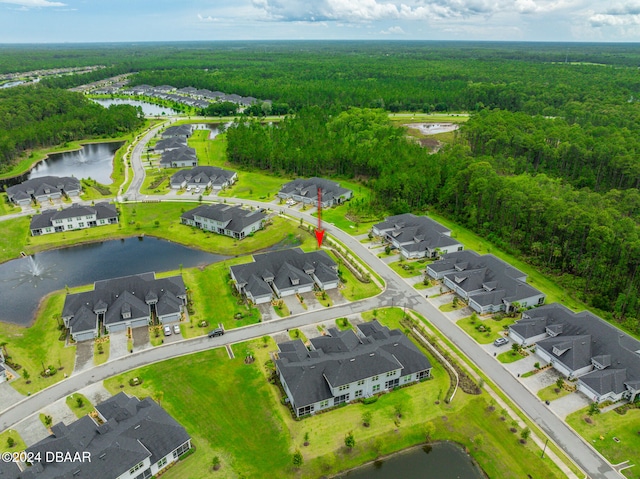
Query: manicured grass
{"x": 496, "y": 328}
{"x": 449, "y": 307}
{"x": 7, "y": 207}
{"x": 72, "y": 403}
{"x": 255, "y": 185}
{"x": 343, "y": 324}
{"x": 209, "y": 152}
{"x": 152, "y": 177}
{"x": 281, "y": 309}
{"x": 549, "y": 393}
{"x": 543, "y": 281}
{"x": 15, "y": 234}
{"x": 509, "y": 357}
{"x": 213, "y": 299}
{"x": 408, "y": 269}
{"x": 38, "y": 344}
{"x": 429, "y": 117}
{"x": 19, "y": 445}
{"x": 421, "y": 285}
{"x": 353, "y": 289}
{"x": 607, "y": 426}
{"x": 297, "y": 334}
{"x": 101, "y": 358}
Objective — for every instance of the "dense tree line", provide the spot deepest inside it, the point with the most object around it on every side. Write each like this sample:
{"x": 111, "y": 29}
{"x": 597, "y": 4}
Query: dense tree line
{"x": 35, "y": 117}
{"x": 590, "y": 240}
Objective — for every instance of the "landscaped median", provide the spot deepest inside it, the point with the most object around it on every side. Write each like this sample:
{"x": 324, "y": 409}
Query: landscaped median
{"x": 233, "y": 412}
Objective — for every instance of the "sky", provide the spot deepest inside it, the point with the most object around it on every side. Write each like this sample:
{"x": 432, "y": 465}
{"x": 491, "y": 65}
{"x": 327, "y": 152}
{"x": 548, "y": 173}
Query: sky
{"x": 80, "y": 21}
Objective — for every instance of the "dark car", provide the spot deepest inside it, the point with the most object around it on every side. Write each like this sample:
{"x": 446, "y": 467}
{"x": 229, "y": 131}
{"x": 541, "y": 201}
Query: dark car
{"x": 216, "y": 332}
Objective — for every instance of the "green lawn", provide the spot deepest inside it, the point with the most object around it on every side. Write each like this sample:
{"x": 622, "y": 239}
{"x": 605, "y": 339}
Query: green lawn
{"x": 14, "y": 237}
{"x": 494, "y": 328}
{"x": 231, "y": 411}
{"x": 353, "y": 289}
{"x": 449, "y": 307}
{"x": 19, "y": 444}
{"x": 408, "y": 269}
{"x": 297, "y": 334}
{"x": 543, "y": 281}
{"x": 281, "y": 309}
{"x": 98, "y": 356}
{"x": 79, "y": 411}
{"x": 213, "y": 301}
{"x": 343, "y": 324}
{"x": 509, "y": 357}
{"x": 549, "y": 393}
{"x": 604, "y": 428}
{"x": 7, "y": 207}
{"x": 39, "y": 344}
{"x": 421, "y": 286}
{"x": 156, "y": 181}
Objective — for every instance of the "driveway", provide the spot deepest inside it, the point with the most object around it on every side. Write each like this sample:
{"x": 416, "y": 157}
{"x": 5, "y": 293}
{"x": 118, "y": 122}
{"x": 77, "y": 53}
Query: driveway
{"x": 59, "y": 411}
{"x": 541, "y": 380}
{"x": 95, "y": 393}
{"x": 311, "y": 301}
{"x": 8, "y": 395}
{"x": 118, "y": 345}
{"x": 266, "y": 312}
{"x": 141, "y": 338}
{"x": 570, "y": 403}
{"x": 294, "y": 305}
{"x": 32, "y": 430}
{"x": 336, "y": 297}
{"x": 523, "y": 365}
{"x": 84, "y": 356}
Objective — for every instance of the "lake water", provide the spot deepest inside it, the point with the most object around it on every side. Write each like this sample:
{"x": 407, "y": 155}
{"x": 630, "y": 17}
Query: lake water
{"x": 149, "y": 109}
{"x": 93, "y": 161}
{"x": 21, "y": 290}
{"x": 443, "y": 460}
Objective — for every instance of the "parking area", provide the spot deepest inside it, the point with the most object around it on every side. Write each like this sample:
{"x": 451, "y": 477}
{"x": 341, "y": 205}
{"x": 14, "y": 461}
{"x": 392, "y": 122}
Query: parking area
{"x": 84, "y": 356}
{"x": 293, "y": 304}
{"x": 118, "y": 345}
{"x": 59, "y": 411}
{"x": 569, "y": 404}
{"x": 266, "y": 312}
{"x": 32, "y": 430}
{"x": 8, "y": 395}
{"x": 336, "y": 297}
{"x": 541, "y": 380}
{"x": 311, "y": 301}
{"x": 174, "y": 336}
{"x": 95, "y": 393}
{"x": 141, "y": 338}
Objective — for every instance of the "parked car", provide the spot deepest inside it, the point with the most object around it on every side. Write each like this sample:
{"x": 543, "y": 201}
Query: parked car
{"x": 216, "y": 332}
{"x": 500, "y": 342}
{"x": 176, "y": 328}
{"x": 167, "y": 330}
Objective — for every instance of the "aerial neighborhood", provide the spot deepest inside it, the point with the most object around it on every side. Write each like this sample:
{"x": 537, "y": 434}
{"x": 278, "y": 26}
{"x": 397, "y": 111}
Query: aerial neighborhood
{"x": 247, "y": 293}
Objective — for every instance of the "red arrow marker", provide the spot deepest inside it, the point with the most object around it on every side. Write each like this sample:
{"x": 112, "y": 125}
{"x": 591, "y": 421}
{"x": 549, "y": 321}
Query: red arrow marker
{"x": 319, "y": 236}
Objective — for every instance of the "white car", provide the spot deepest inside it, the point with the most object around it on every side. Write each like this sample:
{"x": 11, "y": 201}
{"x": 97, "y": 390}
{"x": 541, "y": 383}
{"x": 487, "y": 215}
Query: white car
{"x": 176, "y": 328}
{"x": 500, "y": 342}
{"x": 167, "y": 330}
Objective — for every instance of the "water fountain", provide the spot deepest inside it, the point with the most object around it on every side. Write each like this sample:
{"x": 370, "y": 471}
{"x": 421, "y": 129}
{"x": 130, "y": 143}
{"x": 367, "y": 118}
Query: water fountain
{"x": 30, "y": 271}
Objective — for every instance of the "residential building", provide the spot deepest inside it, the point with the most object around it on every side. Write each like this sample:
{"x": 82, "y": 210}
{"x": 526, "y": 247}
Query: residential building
{"x": 417, "y": 236}
{"x": 171, "y": 143}
{"x": 347, "y": 365}
{"x": 119, "y": 303}
{"x": 233, "y": 221}
{"x": 605, "y": 360}
{"x": 129, "y": 439}
{"x": 487, "y": 283}
{"x": 43, "y": 189}
{"x": 73, "y": 218}
{"x": 179, "y": 158}
{"x": 3, "y": 373}
{"x": 204, "y": 177}
{"x": 285, "y": 273}
{"x": 178, "y": 131}
{"x": 306, "y": 191}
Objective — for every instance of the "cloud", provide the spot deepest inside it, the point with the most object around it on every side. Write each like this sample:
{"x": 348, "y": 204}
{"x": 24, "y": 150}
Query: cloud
{"x": 393, "y": 31}
{"x": 618, "y": 15}
{"x": 34, "y": 3}
{"x": 208, "y": 18}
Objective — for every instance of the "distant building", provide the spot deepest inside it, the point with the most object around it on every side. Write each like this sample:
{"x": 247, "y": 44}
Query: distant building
{"x": 120, "y": 303}
{"x": 73, "y": 218}
{"x": 171, "y": 143}
{"x": 285, "y": 273}
{"x": 417, "y": 236}
{"x": 486, "y": 282}
{"x": 204, "y": 177}
{"x": 43, "y": 189}
{"x": 179, "y": 158}
{"x": 306, "y": 191}
{"x": 178, "y": 131}
{"x": 132, "y": 438}
{"x": 605, "y": 360}
{"x": 227, "y": 220}
{"x": 347, "y": 365}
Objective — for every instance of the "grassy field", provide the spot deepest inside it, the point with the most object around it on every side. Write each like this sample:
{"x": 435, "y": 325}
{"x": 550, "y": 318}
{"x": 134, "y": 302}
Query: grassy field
{"x": 255, "y": 436}
{"x": 549, "y": 393}
{"x": 509, "y": 357}
{"x": 101, "y": 357}
{"x": 39, "y": 344}
{"x": 15, "y": 234}
{"x": 79, "y": 411}
{"x": 6, "y": 206}
{"x": 408, "y": 269}
{"x": 354, "y": 289}
{"x": 484, "y": 337}
{"x": 449, "y": 307}
{"x": 159, "y": 178}
{"x": 544, "y": 282}
{"x": 602, "y": 430}
{"x": 19, "y": 444}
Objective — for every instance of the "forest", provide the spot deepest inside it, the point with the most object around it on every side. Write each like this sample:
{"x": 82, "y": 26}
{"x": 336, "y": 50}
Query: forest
{"x": 38, "y": 116}
{"x": 547, "y": 167}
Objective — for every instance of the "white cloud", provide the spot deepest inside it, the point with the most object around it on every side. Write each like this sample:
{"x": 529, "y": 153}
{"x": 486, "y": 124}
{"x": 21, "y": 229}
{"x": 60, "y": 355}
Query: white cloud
{"x": 208, "y": 18}
{"x": 393, "y": 31}
{"x": 34, "y": 3}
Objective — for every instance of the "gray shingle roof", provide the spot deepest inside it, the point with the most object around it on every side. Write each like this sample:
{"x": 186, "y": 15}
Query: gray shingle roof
{"x": 178, "y": 130}
{"x": 217, "y": 176}
{"x": 134, "y": 430}
{"x": 102, "y": 211}
{"x": 44, "y": 185}
{"x": 183, "y": 153}
{"x": 308, "y": 188}
{"x": 235, "y": 218}
{"x": 416, "y": 233}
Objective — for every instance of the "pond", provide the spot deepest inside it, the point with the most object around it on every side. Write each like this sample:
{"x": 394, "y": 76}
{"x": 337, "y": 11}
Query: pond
{"x": 440, "y": 460}
{"x": 149, "y": 109}
{"x": 214, "y": 128}
{"x": 25, "y": 281}
{"x": 434, "y": 128}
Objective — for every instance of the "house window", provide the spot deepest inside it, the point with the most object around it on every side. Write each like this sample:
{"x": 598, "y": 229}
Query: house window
{"x": 374, "y": 378}
{"x": 361, "y": 382}
{"x": 391, "y": 373}
{"x": 181, "y": 450}
{"x": 376, "y": 388}
{"x": 422, "y": 375}
{"x": 391, "y": 384}
{"x": 101, "y": 222}
{"x": 407, "y": 379}
{"x": 341, "y": 399}
{"x": 136, "y": 467}
{"x": 80, "y": 225}
{"x": 459, "y": 248}
{"x": 303, "y": 411}
{"x": 324, "y": 403}
{"x": 343, "y": 388}
{"x": 541, "y": 300}
{"x": 146, "y": 474}
{"x": 358, "y": 393}
{"x": 162, "y": 462}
